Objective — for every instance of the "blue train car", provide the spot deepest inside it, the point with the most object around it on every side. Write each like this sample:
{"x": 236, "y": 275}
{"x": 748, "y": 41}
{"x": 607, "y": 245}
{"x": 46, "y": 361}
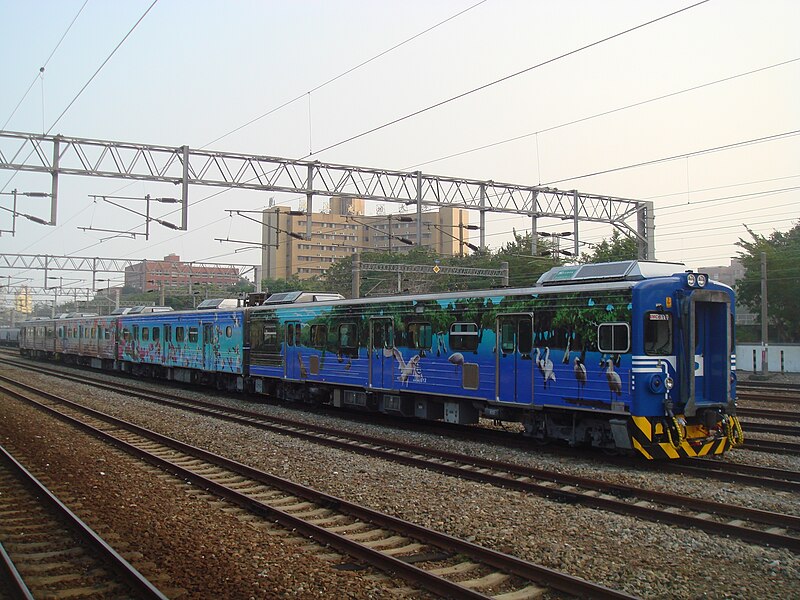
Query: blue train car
{"x": 188, "y": 346}
{"x": 630, "y": 356}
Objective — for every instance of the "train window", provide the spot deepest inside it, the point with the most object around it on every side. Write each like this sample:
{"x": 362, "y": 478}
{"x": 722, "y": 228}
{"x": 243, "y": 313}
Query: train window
{"x": 107, "y": 333}
{"x": 135, "y": 332}
{"x": 613, "y": 337}
{"x": 658, "y": 333}
{"x": 319, "y": 336}
{"x": 167, "y": 333}
{"x": 508, "y": 337}
{"x": 180, "y": 334}
{"x": 156, "y": 333}
{"x": 420, "y": 336}
{"x": 61, "y": 331}
{"x": 464, "y": 336}
{"x": 229, "y": 331}
{"x": 193, "y": 335}
{"x": 382, "y": 333}
{"x": 525, "y": 337}
{"x": 126, "y": 334}
{"x": 348, "y": 335}
{"x": 290, "y": 334}
{"x": 145, "y": 334}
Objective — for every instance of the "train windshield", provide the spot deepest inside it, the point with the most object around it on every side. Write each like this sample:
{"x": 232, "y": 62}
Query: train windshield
{"x": 658, "y": 334}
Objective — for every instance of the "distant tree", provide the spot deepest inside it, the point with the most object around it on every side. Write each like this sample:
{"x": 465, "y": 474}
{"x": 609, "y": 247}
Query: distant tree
{"x": 525, "y": 268}
{"x": 294, "y": 284}
{"x": 783, "y": 279}
{"x": 620, "y": 247}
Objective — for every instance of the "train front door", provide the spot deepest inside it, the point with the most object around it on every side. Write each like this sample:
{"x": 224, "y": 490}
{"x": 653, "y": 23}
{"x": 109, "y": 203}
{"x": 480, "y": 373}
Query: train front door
{"x": 295, "y": 366}
{"x": 711, "y": 341}
{"x": 382, "y": 353}
{"x": 514, "y": 363}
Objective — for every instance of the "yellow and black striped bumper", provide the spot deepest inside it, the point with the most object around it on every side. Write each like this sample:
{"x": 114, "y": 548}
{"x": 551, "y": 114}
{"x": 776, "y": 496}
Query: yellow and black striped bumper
{"x": 647, "y": 438}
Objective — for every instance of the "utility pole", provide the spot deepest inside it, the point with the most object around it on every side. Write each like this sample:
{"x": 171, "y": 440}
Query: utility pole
{"x": 764, "y": 323}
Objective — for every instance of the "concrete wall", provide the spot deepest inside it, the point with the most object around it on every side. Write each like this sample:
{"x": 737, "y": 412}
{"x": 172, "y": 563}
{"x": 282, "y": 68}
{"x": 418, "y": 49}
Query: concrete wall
{"x": 789, "y": 352}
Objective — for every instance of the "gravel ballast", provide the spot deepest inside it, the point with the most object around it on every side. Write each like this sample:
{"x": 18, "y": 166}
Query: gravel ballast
{"x": 644, "y": 558}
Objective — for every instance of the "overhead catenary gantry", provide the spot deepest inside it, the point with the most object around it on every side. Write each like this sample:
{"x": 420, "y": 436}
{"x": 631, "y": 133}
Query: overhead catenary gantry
{"x": 60, "y": 155}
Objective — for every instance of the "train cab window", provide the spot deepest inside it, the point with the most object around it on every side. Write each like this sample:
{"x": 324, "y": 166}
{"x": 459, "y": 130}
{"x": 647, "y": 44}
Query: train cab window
{"x": 420, "y": 336}
{"x": 658, "y": 334}
{"x": 290, "y": 334}
{"x": 193, "y": 335}
{"x": 613, "y": 337}
{"x": 145, "y": 334}
{"x": 156, "y": 333}
{"x": 464, "y": 336}
{"x": 180, "y": 334}
{"x": 319, "y": 336}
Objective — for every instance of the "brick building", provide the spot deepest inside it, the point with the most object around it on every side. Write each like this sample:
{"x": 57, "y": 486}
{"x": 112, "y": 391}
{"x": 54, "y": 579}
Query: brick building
{"x": 171, "y": 273}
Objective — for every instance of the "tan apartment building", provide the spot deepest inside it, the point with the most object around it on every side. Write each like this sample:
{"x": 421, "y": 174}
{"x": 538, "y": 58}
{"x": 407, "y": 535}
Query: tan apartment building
{"x": 345, "y": 230}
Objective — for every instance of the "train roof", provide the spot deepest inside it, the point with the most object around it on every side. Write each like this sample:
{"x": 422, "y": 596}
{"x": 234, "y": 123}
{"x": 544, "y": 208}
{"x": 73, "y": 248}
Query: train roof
{"x": 628, "y": 270}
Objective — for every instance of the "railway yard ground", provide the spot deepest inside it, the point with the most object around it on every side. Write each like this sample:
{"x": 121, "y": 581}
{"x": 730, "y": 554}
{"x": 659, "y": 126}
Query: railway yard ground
{"x": 192, "y": 544}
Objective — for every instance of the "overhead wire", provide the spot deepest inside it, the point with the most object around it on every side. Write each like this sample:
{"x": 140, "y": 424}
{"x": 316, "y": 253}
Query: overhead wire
{"x": 505, "y": 78}
{"x": 44, "y": 64}
{"x": 344, "y": 73}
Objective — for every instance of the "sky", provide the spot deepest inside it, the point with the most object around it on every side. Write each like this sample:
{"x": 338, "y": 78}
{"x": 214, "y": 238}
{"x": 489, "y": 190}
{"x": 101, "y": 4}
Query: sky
{"x": 721, "y": 73}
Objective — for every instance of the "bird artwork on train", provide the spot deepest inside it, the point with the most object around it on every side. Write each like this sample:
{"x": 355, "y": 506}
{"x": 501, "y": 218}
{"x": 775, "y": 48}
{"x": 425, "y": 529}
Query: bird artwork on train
{"x": 613, "y": 378}
{"x": 545, "y": 366}
{"x": 407, "y": 369}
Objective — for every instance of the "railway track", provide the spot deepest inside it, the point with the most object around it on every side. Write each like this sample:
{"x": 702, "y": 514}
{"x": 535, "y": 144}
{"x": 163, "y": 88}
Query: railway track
{"x": 751, "y": 525}
{"x": 427, "y": 559}
{"x": 47, "y": 551}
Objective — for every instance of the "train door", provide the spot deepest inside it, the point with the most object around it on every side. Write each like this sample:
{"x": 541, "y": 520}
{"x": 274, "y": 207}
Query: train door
{"x": 514, "y": 364}
{"x": 210, "y": 347}
{"x": 382, "y": 358}
{"x": 712, "y": 348}
{"x": 294, "y": 366}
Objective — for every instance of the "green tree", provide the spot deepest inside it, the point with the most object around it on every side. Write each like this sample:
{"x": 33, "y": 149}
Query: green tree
{"x": 620, "y": 247}
{"x": 783, "y": 280}
{"x": 523, "y": 267}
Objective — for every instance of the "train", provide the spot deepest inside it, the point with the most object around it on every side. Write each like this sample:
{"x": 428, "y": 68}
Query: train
{"x": 634, "y": 357}
{"x": 9, "y": 335}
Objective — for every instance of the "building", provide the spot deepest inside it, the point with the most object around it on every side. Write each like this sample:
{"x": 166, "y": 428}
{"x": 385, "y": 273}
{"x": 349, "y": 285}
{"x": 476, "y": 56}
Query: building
{"x": 345, "y": 230}
{"x": 729, "y": 276}
{"x": 171, "y": 273}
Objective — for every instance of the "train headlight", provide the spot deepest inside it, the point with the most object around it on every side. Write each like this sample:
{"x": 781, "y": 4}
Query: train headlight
{"x": 701, "y": 280}
{"x": 669, "y": 383}
{"x": 691, "y": 280}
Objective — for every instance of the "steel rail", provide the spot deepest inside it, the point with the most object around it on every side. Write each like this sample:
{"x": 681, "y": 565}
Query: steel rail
{"x": 111, "y": 557}
{"x": 510, "y": 475}
{"x": 503, "y": 562}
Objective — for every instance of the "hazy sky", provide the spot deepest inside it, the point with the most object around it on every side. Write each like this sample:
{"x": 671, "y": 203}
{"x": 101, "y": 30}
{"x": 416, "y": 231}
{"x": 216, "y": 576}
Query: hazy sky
{"x": 193, "y": 71}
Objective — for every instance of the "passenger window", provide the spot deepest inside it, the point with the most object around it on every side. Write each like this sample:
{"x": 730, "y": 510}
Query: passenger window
{"x": 126, "y": 335}
{"x": 658, "y": 334}
{"x": 145, "y": 334}
{"x": 167, "y": 333}
{"x": 290, "y": 334}
{"x": 180, "y": 334}
{"x": 228, "y": 331}
{"x": 464, "y": 336}
{"x": 348, "y": 335}
{"x": 613, "y": 338}
{"x": 156, "y": 333}
{"x": 193, "y": 335}
{"x": 420, "y": 336}
{"x": 135, "y": 332}
{"x": 319, "y": 336}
